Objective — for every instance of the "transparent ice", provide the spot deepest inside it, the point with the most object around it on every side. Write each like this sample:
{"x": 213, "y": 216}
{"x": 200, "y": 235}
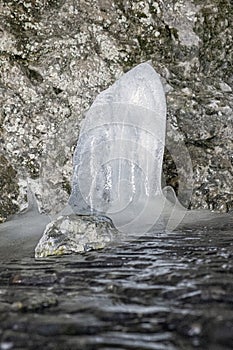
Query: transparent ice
{"x": 119, "y": 154}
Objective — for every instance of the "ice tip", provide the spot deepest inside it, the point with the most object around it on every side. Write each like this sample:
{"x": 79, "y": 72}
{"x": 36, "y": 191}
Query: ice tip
{"x": 144, "y": 66}
{"x": 150, "y": 63}
{"x": 146, "y": 63}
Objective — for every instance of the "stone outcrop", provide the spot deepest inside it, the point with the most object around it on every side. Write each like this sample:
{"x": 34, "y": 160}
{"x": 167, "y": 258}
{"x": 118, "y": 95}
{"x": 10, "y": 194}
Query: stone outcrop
{"x": 75, "y": 234}
{"x": 56, "y": 56}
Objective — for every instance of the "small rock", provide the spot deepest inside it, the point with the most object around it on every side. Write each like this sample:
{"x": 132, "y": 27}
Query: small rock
{"x": 75, "y": 234}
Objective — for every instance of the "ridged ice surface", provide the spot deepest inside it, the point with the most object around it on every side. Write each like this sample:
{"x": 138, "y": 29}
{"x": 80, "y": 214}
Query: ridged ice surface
{"x": 118, "y": 158}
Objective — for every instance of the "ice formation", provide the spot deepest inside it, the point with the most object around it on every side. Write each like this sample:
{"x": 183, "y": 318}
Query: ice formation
{"x": 21, "y": 233}
{"x": 119, "y": 154}
{"x": 117, "y": 174}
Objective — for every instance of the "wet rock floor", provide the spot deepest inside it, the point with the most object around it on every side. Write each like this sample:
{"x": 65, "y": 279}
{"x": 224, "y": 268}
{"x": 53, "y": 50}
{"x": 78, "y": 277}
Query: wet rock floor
{"x": 160, "y": 292}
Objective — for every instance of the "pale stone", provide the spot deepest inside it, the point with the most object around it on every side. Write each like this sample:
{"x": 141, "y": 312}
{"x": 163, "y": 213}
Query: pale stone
{"x": 75, "y": 234}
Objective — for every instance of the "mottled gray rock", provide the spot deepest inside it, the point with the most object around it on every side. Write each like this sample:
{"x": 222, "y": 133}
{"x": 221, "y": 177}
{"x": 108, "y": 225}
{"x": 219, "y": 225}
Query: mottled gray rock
{"x": 56, "y": 56}
{"x": 75, "y": 234}
{"x": 8, "y": 189}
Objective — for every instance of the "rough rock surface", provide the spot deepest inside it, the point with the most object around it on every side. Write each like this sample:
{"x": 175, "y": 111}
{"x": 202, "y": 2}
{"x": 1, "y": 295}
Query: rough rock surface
{"x": 56, "y": 56}
{"x": 8, "y": 189}
{"x": 75, "y": 234}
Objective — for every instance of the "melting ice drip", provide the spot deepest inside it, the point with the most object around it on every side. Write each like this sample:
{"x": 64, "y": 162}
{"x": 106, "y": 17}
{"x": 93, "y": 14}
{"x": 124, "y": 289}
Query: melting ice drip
{"x": 119, "y": 155}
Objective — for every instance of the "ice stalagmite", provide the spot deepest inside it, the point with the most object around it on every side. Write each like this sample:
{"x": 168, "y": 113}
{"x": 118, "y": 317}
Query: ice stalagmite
{"x": 118, "y": 158}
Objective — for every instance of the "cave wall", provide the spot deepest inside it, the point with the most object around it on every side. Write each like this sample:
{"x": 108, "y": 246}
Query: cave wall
{"x": 56, "y": 56}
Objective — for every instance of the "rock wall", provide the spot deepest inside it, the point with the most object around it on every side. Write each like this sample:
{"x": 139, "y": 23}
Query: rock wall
{"x": 56, "y": 56}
